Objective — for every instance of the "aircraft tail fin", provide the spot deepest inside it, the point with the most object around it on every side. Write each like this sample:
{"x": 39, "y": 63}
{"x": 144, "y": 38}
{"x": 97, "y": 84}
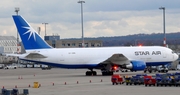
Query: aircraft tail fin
{"x": 30, "y": 38}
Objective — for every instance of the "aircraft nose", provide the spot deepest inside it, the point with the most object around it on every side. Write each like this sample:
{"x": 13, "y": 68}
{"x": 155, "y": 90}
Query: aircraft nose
{"x": 176, "y": 56}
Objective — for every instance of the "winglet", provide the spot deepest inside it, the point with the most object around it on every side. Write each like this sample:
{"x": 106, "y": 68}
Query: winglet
{"x": 30, "y": 38}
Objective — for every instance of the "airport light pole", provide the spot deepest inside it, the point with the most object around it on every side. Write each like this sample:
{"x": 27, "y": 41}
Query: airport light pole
{"x": 163, "y": 8}
{"x": 81, "y": 2}
{"x": 17, "y": 10}
{"x": 39, "y": 30}
{"x": 45, "y": 27}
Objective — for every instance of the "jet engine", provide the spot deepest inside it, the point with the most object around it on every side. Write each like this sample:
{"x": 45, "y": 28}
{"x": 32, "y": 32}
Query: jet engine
{"x": 136, "y": 65}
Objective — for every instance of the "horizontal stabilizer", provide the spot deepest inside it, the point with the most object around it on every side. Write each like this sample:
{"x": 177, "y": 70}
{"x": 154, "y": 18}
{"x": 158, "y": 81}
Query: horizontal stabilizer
{"x": 35, "y": 55}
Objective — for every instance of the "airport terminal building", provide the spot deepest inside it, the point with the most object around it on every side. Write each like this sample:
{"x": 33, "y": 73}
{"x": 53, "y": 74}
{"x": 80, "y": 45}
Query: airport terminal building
{"x": 9, "y": 44}
{"x": 55, "y": 42}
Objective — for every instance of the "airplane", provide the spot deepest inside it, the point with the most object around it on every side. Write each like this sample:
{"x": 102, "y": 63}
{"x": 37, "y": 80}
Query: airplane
{"x": 106, "y": 59}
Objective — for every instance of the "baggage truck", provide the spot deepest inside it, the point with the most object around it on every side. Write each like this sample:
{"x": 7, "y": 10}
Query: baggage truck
{"x": 117, "y": 79}
{"x": 149, "y": 80}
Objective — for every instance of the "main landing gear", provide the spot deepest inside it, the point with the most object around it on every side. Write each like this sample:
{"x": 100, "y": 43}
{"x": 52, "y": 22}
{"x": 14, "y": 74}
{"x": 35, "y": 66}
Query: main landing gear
{"x": 94, "y": 73}
{"x": 91, "y": 73}
{"x": 106, "y": 73}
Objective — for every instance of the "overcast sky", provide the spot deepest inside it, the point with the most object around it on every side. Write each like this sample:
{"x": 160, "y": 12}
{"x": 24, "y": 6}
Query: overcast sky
{"x": 101, "y": 17}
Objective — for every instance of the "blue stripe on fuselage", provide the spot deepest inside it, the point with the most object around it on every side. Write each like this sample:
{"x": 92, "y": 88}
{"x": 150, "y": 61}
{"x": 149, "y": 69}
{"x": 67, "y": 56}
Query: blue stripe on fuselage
{"x": 71, "y": 66}
{"x": 156, "y": 63}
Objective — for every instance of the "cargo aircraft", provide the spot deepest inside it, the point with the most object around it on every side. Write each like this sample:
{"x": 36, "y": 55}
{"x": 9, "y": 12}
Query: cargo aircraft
{"x": 106, "y": 59}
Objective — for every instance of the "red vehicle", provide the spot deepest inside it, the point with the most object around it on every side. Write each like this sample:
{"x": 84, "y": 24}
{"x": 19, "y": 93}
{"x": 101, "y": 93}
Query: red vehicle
{"x": 117, "y": 79}
{"x": 149, "y": 80}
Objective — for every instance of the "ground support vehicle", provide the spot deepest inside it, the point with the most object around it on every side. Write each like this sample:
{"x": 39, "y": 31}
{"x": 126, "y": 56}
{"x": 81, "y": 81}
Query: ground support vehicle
{"x": 163, "y": 70}
{"x": 174, "y": 80}
{"x": 177, "y": 80}
{"x": 45, "y": 67}
{"x": 136, "y": 80}
{"x": 10, "y": 67}
{"x": 149, "y": 80}
{"x": 125, "y": 70}
{"x": 128, "y": 80}
{"x": 162, "y": 79}
{"x": 160, "y": 69}
{"x": 150, "y": 69}
{"x": 117, "y": 79}
{"x": 177, "y": 73}
{"x": 168, "y": 80}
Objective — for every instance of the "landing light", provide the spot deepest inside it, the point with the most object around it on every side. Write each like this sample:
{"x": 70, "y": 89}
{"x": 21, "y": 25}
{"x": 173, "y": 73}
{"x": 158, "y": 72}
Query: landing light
{"x": 115, "y": 67}
{"x": 140, "y": 45}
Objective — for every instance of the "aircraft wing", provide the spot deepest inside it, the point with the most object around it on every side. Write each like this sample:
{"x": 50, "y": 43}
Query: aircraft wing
{"x": 117, "y": 59}
{"x": 121, "y": 61}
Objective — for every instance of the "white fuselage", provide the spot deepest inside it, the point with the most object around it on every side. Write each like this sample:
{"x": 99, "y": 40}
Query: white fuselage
{"x": 92, "y": 56}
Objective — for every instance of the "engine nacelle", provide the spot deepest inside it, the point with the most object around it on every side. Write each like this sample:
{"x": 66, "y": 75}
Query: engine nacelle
{"x": 136, "y": 65}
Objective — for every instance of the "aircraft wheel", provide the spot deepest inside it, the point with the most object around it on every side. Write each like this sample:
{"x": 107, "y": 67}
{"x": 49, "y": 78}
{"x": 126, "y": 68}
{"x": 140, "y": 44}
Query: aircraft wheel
{"x": 104, "y": 73}
{"x": 107, "y": 73}
{"x": 111, "y": 73}
{"x": 94, "y": 73}
{"x": 150, "y": 71}
{"x": 89, "y": 73}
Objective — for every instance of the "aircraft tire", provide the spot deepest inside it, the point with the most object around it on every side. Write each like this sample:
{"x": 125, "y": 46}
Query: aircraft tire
{"x": 94, "y": 73}
{"x": 104, "y": 73}
{"x": 150, "y": 71}
{"x": 88, "y": 73}
{"x": 107, "y": 73}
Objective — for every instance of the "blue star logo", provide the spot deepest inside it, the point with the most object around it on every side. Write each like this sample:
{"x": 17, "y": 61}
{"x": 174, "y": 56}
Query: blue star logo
{"x": 31, "y": 31}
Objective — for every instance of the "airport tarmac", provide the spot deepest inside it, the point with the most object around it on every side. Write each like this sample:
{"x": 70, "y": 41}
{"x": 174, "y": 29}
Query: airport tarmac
{"x": 65, "y": 83}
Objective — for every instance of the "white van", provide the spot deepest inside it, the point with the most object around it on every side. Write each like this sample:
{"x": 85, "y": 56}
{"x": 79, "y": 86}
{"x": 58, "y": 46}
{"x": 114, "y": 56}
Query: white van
{"x": 10, "y": 67}
{"x": 178, "y": 67}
